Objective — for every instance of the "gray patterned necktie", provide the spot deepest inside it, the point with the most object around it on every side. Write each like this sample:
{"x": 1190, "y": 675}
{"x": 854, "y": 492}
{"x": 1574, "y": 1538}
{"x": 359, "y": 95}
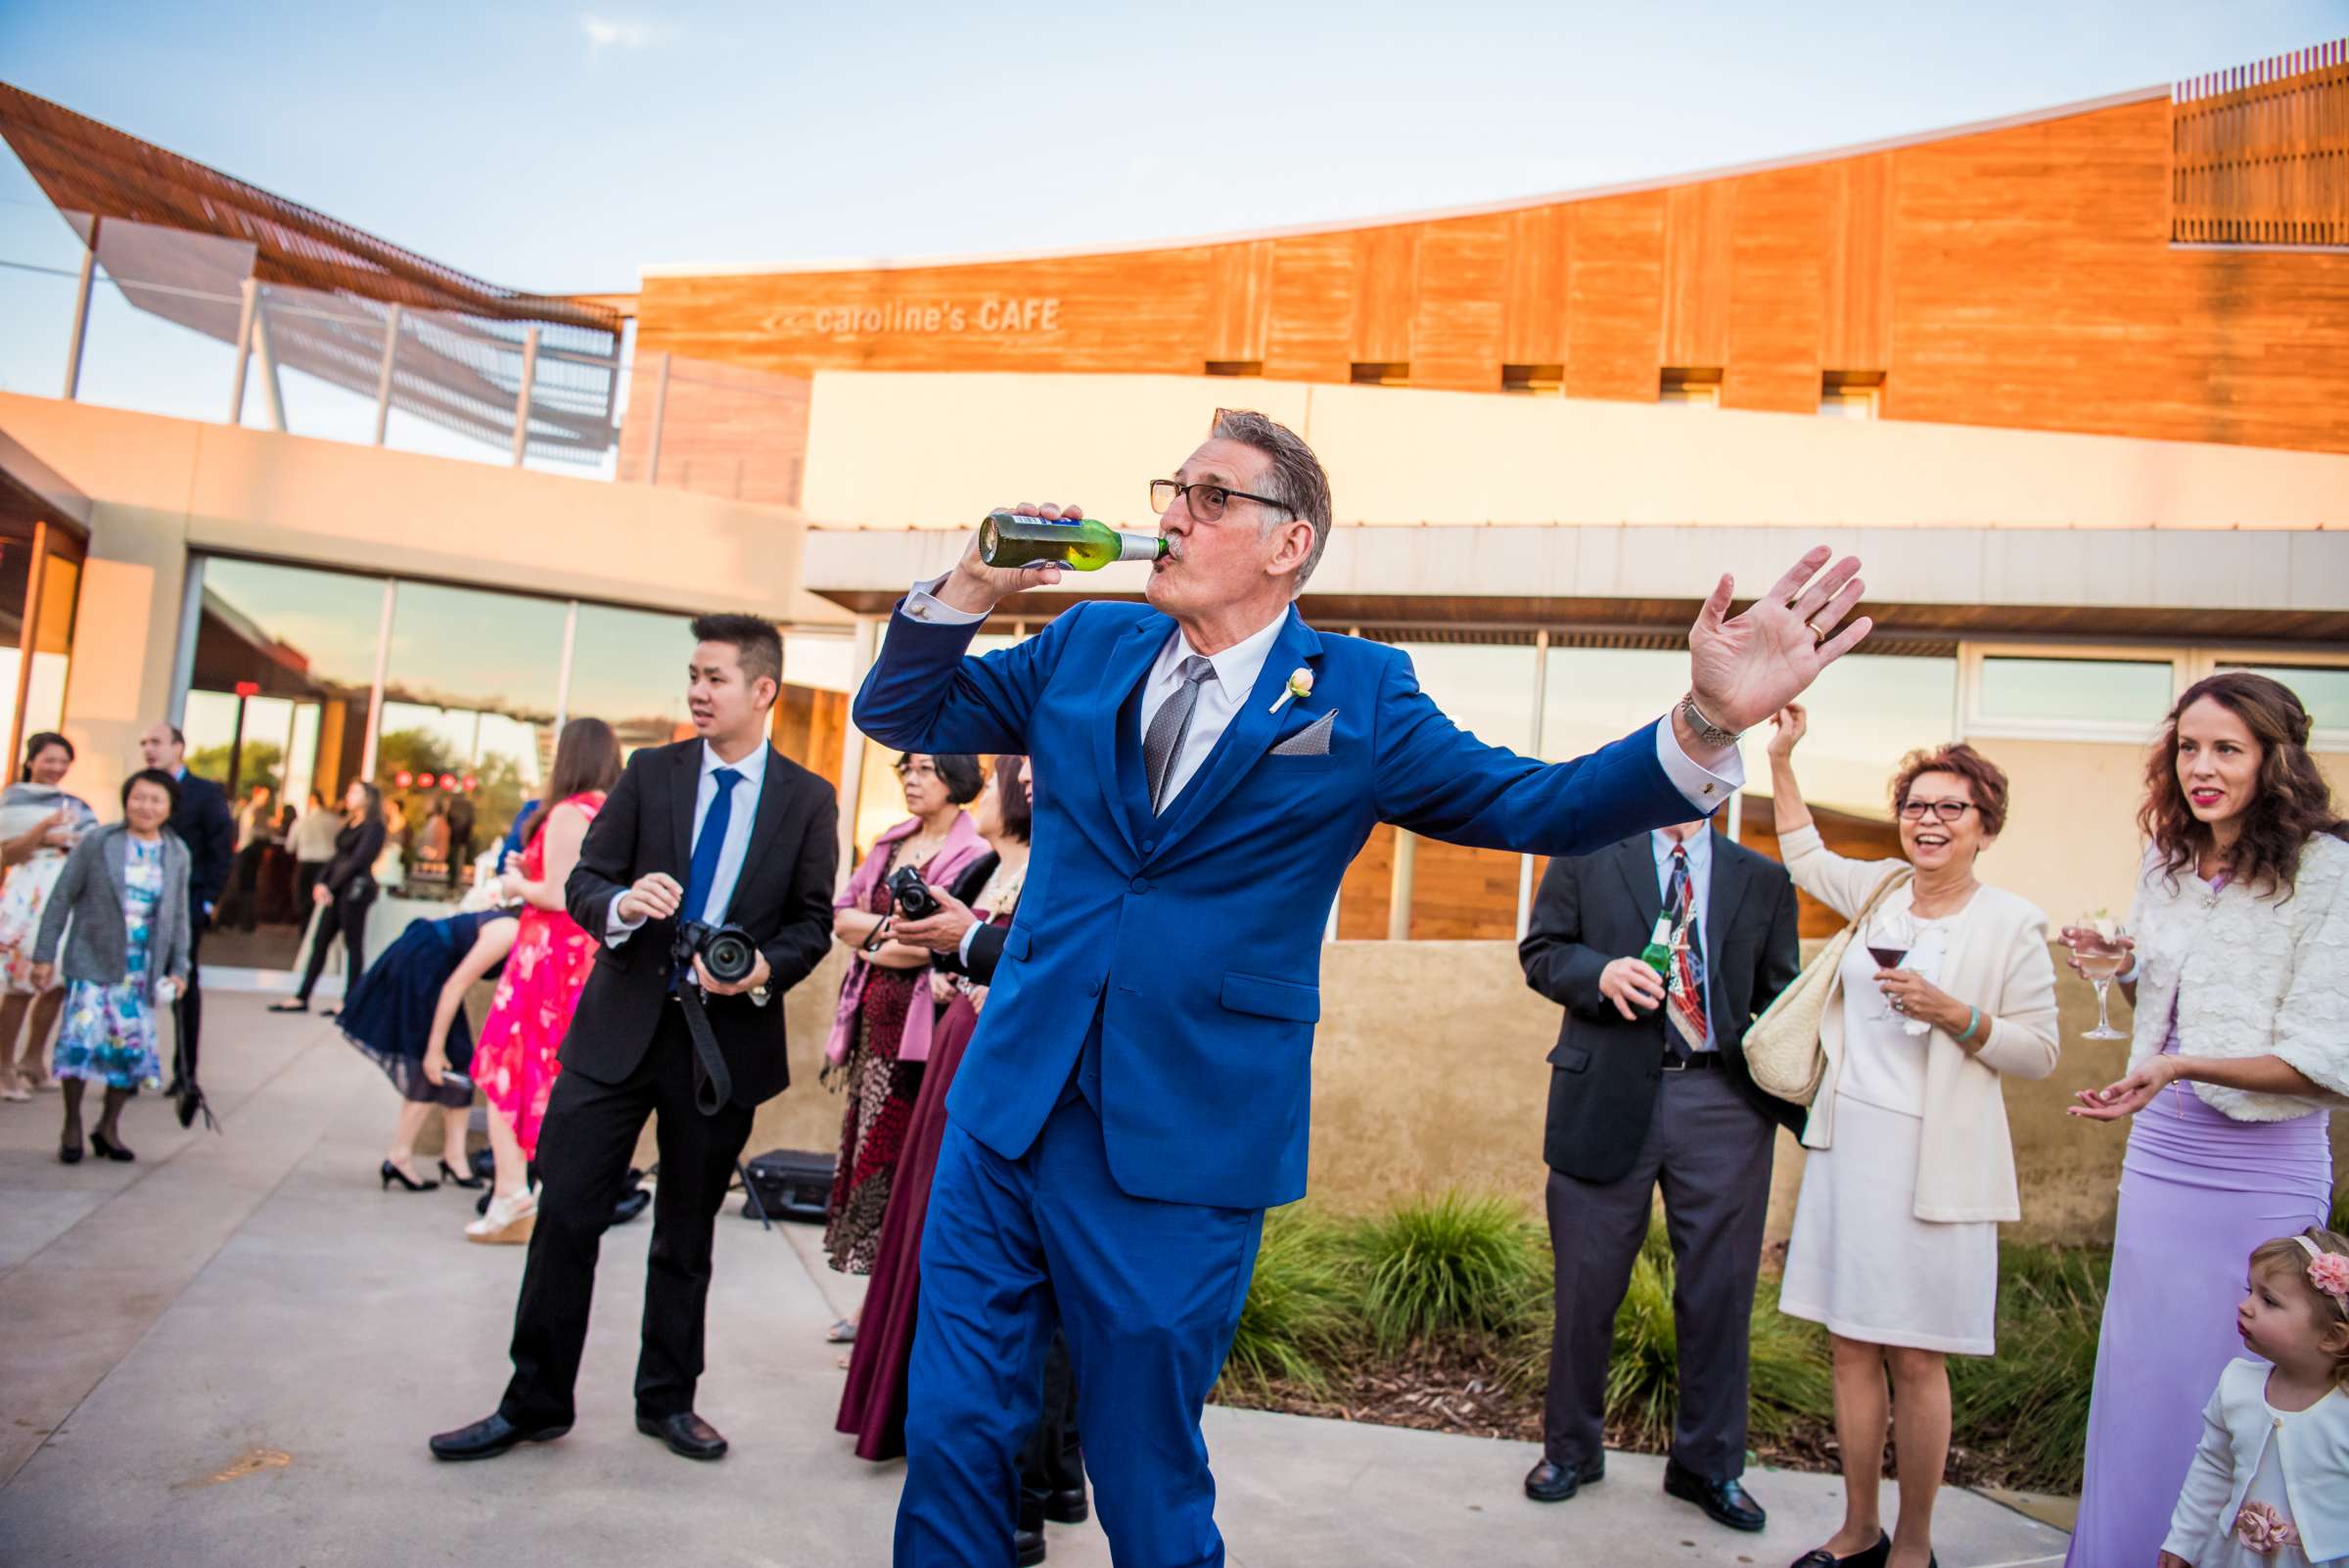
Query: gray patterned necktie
{"x": 1170, "y": 727}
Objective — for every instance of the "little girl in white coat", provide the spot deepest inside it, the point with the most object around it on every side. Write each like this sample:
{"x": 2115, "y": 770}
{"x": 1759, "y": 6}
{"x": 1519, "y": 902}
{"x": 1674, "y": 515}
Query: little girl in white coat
{"x": 2269, "y": 1486}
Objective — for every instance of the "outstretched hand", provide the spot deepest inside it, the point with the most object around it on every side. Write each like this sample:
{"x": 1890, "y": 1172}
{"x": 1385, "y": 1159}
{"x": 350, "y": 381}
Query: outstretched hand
{"x": 1744, "y": 670}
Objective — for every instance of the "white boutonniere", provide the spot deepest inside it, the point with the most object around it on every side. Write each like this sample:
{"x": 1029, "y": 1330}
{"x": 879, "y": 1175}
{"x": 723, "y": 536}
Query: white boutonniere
{"x": 1300, "y": 684}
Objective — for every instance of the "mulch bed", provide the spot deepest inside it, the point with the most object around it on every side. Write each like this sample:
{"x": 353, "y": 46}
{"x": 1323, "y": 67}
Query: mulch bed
{"x": 1446, "y": 1388}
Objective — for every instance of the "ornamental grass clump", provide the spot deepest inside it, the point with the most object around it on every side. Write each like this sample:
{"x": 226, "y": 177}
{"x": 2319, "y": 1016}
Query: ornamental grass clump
{"x": 2028, "y": 1404}
{"x": 1300, "y": 1316}
{"x": 1451, "y": 1265}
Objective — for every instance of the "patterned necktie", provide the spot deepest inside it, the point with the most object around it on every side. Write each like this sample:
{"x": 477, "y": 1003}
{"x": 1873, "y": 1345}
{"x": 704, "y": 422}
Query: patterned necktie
{"x": 1170, "y": 727}
{"x": 1686, "y": 1006}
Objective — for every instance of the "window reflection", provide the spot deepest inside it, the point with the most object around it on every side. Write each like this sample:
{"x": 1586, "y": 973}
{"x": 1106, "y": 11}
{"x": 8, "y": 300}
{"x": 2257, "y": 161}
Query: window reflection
{"x": 470, "y": 684}
{"x": 285, "y": 664}
{"x": 1866, "y": 713}
{"x": 2323, "y": 690}
{"x": 627, "y": 669}
{"x": 2094, "y": 691}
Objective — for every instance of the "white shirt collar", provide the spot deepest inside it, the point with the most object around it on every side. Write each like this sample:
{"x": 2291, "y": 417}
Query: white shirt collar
{"x": 1238, "y": 666}
{"x": 753, "y": 767}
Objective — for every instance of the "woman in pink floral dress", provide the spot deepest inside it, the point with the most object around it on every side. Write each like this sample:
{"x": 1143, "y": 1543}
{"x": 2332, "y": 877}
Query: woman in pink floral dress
{"x": 515, "y": 1063}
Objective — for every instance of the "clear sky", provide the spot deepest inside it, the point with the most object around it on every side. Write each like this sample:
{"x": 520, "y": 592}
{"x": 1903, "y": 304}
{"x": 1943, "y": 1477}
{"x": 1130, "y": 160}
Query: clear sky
{"x": 561, "y": 146}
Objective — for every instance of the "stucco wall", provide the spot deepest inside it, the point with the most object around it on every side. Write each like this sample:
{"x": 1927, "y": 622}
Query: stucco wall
{"x": 1428, "y": 1073}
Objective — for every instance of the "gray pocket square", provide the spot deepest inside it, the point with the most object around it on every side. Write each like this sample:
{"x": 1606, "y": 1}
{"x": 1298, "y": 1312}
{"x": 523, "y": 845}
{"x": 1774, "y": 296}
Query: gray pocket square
{"x": 1311, "y": 741}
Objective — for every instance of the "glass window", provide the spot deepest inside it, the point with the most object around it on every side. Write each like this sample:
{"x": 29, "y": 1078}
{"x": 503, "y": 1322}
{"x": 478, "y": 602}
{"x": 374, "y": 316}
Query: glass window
{"x": 1867, "y": 711}
{"x": 1460, "y": 894}
{"x": 470, "y": 684}
{"x": 285, "y": 665}
{"x": 1597, "y": 694}
{"x": 2324, "y": 690}
{"x": 2081, "y": 691}
{"x": 627, "y": 669}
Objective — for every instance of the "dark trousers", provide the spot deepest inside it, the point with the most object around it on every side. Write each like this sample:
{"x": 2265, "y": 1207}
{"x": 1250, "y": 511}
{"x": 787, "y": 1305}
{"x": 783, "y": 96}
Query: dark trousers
{"x": 307, "y": 875}
{"x": 1710, "y": 1150}
{"x": 345, "y": 914}
{"x": 187, "y": 1011}
{"x": 1052, "y": 1460}
{"x": 584, "y": 1148}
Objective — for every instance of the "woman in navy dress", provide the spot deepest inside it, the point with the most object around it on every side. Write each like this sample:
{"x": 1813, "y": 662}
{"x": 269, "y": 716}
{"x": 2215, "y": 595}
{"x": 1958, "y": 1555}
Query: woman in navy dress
{"x": 410, "y": 998}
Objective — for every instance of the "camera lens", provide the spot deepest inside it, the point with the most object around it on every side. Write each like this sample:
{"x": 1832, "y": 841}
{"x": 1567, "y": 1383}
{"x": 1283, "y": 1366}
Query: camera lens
{"x": 729, "y": 958}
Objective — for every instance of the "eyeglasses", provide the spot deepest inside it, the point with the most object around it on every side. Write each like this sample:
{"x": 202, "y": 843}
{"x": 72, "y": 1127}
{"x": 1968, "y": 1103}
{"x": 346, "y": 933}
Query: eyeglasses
{"x": 1205, "y": 501}
{"x": 1943, "y": 810}
{"x": 916, "y": 769}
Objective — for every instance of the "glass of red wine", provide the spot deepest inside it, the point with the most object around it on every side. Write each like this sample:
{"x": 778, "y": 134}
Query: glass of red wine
{"x": 1889, "y": 938}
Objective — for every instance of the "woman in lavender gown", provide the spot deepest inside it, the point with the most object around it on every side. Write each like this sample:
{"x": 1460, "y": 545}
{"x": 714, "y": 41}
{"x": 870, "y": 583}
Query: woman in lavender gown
{"x": 2240, "y": 980}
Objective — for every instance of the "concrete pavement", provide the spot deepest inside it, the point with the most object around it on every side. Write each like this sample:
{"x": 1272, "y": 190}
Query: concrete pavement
{"x": 230, "y": 1354}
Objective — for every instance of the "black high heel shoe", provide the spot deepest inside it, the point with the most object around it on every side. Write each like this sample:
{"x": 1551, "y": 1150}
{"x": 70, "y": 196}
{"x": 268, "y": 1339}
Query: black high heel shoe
{"x": 292, "y": 1004}
{"x": 391, "y": 1172}
{"x": 469, "y": 1183}
{"x": 68, "y": 1150}
{"x": 108, "y": 1149}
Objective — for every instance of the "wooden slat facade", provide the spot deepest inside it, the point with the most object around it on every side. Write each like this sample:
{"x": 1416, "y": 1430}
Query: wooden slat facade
{"x": 2020, "y": 276}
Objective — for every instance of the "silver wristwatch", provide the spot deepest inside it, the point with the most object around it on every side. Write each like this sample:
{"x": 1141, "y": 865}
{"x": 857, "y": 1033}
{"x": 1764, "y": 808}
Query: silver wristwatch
{"x": 760, "y": 996}
{"x": 1710, "y": 733}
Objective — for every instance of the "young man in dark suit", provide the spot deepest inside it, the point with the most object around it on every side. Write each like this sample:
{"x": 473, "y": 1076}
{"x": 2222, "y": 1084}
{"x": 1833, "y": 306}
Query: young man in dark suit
{"x": 1649, "y": 1084}
{"x": 720, "y": 830}
{"x": 203, "y": 822}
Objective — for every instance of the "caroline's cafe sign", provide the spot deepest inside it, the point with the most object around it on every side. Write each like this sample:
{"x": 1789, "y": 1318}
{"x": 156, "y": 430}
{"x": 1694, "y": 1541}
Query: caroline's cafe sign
{"x": 988, "y": 315}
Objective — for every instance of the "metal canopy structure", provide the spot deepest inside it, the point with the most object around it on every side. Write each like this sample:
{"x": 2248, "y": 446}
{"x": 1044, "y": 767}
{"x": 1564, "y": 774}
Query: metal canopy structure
{"x": 181, "y": 240}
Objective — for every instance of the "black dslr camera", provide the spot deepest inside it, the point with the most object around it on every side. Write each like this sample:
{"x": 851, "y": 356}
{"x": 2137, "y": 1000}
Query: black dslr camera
{"x": 726, "y": 952}
{"x": 914, "y": 900}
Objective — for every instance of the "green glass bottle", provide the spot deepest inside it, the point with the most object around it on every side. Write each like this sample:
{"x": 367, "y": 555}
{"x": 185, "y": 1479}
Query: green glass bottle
{"x": 1657, "y": 954}
{"x": 1009, "y": 540}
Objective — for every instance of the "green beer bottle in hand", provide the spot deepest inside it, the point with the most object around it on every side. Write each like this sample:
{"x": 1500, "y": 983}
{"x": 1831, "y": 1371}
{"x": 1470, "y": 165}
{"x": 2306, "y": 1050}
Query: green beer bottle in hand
{"x": 1657, "y": 954}
{"x": 1009, "y": 540}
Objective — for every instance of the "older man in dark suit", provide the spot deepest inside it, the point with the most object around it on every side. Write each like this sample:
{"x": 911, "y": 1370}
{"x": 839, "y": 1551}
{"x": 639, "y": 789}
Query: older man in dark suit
{"x": 1649, "y": 1084}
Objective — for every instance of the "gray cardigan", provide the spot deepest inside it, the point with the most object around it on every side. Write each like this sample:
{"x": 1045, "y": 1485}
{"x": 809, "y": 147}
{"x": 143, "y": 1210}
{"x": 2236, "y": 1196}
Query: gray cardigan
{"x": 91, "y": 891}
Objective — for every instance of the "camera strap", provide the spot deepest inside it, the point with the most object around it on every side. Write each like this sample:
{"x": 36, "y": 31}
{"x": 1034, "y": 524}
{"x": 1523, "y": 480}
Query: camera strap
{"x": 712, "y": 1083}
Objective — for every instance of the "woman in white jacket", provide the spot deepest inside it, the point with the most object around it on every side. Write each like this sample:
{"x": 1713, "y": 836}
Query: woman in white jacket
{"x": 2241, "y": 988}
{"x": 2269, "y": 1486}
{"x": 1910, "y": 1169}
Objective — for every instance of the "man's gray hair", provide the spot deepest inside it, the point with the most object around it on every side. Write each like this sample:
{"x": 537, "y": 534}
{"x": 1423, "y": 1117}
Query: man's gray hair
{"x": 1296, "y": 479}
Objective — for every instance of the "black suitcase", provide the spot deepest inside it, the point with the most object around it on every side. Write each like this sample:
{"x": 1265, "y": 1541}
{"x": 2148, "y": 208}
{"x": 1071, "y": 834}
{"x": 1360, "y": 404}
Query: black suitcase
{"x": 789, "y": 1185}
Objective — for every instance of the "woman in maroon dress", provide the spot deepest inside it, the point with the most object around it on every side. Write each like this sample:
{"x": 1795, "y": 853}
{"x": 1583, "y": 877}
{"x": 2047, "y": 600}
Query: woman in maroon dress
{"x": 882, "y": 1032}
{"x": 872, "y": 1409}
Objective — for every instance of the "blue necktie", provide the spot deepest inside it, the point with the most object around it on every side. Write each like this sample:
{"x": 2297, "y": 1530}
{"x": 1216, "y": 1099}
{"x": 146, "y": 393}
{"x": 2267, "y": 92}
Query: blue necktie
{"x": 709, "y": 845}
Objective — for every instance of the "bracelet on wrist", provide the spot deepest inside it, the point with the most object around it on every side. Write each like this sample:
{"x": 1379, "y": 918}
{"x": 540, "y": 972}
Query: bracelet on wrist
{"x": 1973, "y": 1021}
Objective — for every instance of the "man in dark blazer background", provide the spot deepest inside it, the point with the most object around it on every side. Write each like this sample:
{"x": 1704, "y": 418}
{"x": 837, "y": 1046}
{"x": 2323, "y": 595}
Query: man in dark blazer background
{"x": 1649, "y": 1084}
{"x": 203, "y": 822}
{"x": 721, "y": 829}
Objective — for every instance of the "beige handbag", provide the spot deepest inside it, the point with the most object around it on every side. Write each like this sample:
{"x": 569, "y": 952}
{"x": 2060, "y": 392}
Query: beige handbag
{"x": 1782, "y": 1055}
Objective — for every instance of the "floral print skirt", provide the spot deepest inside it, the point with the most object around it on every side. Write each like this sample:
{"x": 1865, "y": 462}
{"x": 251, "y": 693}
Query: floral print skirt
{"x": 109, "y": 1035}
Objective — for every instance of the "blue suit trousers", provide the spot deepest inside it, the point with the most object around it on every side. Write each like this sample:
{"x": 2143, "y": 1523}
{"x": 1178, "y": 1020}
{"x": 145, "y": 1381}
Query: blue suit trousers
{"x": 1148, "y": 1294}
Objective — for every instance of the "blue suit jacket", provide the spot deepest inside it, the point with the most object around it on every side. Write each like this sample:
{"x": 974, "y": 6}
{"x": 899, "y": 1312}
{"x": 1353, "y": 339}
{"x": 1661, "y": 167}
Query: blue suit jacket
{"x": 1195, "y": 937}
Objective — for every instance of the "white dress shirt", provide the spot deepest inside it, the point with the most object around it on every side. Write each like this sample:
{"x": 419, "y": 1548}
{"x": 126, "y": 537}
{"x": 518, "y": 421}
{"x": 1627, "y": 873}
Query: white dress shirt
{"x": 743, "y": 810}
{"x": 1236, "y": 670}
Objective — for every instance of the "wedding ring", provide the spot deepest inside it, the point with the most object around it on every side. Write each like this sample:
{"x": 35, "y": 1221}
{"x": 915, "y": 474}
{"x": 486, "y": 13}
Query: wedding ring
{"x": 1817, "y": 636}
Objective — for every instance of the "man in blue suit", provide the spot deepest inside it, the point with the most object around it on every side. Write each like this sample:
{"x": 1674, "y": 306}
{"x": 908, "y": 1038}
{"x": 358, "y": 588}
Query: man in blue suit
{"x": 1138, "y": 1090}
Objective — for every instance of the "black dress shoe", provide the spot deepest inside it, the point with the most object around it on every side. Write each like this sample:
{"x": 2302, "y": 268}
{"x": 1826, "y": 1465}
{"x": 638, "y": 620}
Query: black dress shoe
{"x": 469, "y": 1183}
{"x": 108, "y": 1149}
{"x": 1725, "y": 1502}
{"x": 1549, "y": 1482}
{"x": 489, "y": 1437}
{"x": 1027, "y": 1547}
{"x": 687, "y": 1434}
{"x": 1067, "y": 1506}
{"x": 1873, "y": 1557}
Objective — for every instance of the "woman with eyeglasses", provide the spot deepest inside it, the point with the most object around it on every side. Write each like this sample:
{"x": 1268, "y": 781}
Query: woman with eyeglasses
{"x": 1945, "y": 990}
{"x": 2240, "y": 982}
{"x": 882, "y": 1030}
